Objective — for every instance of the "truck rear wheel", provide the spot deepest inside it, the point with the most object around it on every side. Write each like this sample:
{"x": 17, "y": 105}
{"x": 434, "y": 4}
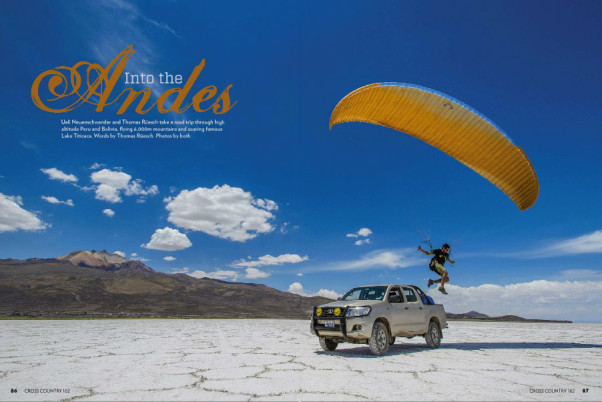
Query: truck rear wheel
{"x": 328, "y": 344}
{"x": 433, "y": 335}
{"x": 379, "y": 341}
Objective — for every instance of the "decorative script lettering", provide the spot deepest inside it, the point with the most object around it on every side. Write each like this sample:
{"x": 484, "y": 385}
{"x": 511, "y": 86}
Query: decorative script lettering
{"x": 71, "y": 87}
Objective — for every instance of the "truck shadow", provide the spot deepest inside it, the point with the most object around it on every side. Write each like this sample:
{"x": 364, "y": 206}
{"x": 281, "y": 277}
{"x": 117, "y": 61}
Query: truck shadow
{"x": 402, "y": 349}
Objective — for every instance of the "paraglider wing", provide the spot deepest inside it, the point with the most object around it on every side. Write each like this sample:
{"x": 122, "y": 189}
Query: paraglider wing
{"x": 449, "y": 125}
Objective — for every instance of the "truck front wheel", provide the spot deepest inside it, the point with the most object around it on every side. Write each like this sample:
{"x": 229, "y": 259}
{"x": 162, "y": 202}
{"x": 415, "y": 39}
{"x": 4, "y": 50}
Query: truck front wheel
{"x": 433, "y": 335}
{"x": 328, "y": 344}
{"x": 379, "y": 341}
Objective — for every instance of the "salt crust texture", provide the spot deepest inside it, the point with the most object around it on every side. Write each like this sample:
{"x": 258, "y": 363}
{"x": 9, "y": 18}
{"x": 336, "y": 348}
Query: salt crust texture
{"x": 281, "y": 360}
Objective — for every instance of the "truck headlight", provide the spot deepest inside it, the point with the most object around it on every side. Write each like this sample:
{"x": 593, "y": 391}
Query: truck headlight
{"x": 358, "y": 311}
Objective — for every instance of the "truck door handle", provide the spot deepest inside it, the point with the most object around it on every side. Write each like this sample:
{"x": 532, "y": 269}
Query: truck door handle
{"x": 406, "y": 308}
{"x": 420, "y": 308}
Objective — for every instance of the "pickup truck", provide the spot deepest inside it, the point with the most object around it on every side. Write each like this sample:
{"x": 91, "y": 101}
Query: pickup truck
{"x": 376, "y": 315}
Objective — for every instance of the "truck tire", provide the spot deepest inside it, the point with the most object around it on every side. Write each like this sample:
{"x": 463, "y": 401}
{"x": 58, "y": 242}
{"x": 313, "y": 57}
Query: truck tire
{"x": 379, "y": 341}
{"x": 433, "y": 335}
{"x": 392, "y": 340}
{"x": 328, "y": 344}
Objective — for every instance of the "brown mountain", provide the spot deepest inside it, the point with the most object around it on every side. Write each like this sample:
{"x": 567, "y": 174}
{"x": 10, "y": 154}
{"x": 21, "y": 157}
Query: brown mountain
{"x": 99, "y": 284}
{"x": 104, "y": 260}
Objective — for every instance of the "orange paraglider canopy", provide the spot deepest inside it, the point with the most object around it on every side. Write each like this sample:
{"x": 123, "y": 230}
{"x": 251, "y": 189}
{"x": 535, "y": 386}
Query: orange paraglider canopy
{"x": 450, "y": 126}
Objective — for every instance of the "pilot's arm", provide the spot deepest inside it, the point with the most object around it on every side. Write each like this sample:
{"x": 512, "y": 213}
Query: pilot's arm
{"x": 425, "y": 252}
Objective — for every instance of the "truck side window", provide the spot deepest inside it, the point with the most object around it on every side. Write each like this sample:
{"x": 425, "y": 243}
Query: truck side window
{"x": 410, "y": 295}
{"x": 395, "y": 292}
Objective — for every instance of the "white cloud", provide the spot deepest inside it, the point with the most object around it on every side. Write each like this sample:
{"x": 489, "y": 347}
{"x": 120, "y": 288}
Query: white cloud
{"x": 297, "y": 288}
{"x": 96, "y": 165}
{"x": 222, "y": 211}
{"x": 363, "y": 232}
{"x": 86, "y": 188}
{"x": 168, "y": 239}
{"x": 108, "y": 212}
{"x": 226, "y": 275}
{"x": 218, "y": 274}
{"x": 54, "y": 200}
{"x": 13, "y": 217}
{"x": 268, "y": 205}
{"x": 590, "y": 243}
{"x": 184, "y": 270}
{"x": 136, "y": 188}
{"x": 169, "y": 258}
{"x": 576, "y": 300}
{"x": 299, "y": 274}
{"x": 105, "y": 38}
{"x": 578, "y": 274}
{"x": 286, "y": 227}
{"x": 250, "y": 273}
{"x": 161, "y": 25}
{"x": 104, "y": 192}
{"x": 254, "y": 273}
{"x": 120, "y": 253}
{"x": 270, "y": 260}
{"x": 135, "y": 256}
{"x": 56, "y": 174}
{"x": 111, "y": 185}
{"x": 130, "y": 14}
{"x": 331, "y": 294}
{"x": 30, "y": 146}
{"x": 113, "y": 178}
{"x": 392, "y": 259}
{"x": 586, "y": 244}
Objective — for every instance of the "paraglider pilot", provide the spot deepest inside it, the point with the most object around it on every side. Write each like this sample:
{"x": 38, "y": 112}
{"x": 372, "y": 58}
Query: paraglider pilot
{"x": 440, "y": 256}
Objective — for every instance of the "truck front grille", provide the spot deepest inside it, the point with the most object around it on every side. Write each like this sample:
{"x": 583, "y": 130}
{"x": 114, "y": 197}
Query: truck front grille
{"x": 329, "y": 312}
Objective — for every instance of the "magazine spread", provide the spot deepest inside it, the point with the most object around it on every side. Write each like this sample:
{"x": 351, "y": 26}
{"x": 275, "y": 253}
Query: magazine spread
{"x": 248, "y": 200}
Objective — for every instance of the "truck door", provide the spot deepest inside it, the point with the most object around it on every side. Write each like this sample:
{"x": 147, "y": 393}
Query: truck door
{"x": 400, "y": 317}
{"x": 417, "y": 313}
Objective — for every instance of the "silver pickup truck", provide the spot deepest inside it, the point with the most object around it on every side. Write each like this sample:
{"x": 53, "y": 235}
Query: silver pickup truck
{"x": 376, "y": 315}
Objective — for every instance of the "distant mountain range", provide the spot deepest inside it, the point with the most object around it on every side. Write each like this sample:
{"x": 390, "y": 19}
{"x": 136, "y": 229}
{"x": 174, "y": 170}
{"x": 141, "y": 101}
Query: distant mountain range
{"x": 476, "y": 316}
{"x": 99, "y": 284}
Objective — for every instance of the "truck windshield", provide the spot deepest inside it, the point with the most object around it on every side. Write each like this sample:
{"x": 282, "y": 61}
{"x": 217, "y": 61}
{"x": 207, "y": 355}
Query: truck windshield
{"x": 366, "y": 293}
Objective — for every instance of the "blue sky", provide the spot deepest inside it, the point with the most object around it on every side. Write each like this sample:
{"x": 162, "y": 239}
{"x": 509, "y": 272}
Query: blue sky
{"x": 300, "y": 188}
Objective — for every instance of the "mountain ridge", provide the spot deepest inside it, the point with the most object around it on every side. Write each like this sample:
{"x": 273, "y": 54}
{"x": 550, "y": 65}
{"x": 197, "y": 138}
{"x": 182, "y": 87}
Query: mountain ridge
{"x": 101, "y": 284}
{"x": 476, "y": 316}
{"x": 80, "y": 284}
